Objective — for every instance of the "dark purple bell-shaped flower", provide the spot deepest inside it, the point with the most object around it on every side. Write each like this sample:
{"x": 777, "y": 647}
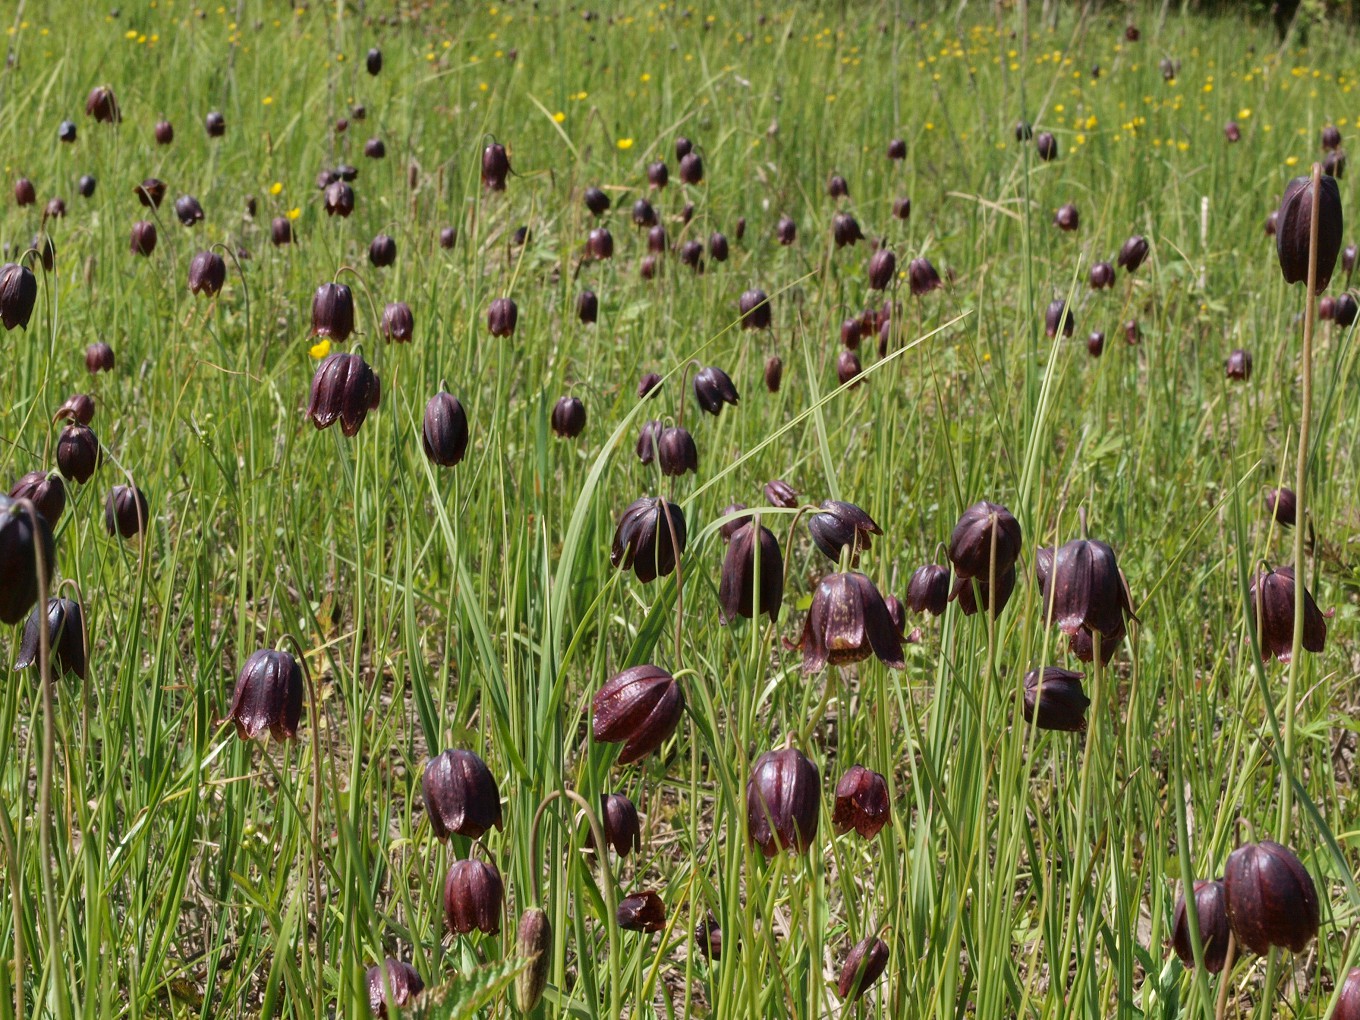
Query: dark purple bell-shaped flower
{"x": 1054, "y": 699}
{"x": 587, "y": 307}
{"x": 1046, "y": 146}
{"x": 393, "y": 977}
{"x": 65, "y": 636}
{"x": 980, "y": 527}
{"x": 382, "y": 251}
{"x": 373, "y": 61}
{"x": 568, "y": 417}
{"x": 638, "y": 708}
{"x": 774, "y": 373}
{"x": 1058, "y": 317}
{"x": 1294, "y": 226}
{"x": 845, "y": 230}
{"x": 207, "y": 273}
{"x": 786, "y": 231}
{"x": 444, "y": 433}
{"x": 1272, "y": 607}
{"x": 495, "y": 167}
{"x": 46, "y": 491}
{"x": 1348, "y": 1006}
{"x": 1102, "y": 276}
{"x": 343, "y": 388}
{"x": 280, "y": 231}
{"x": 717, "y": 246}
{"x": 600, "y": 244}
{"x": 643, "y": 539}
{"x": 882, "y": 269}
{"x": 841, "y": 524}
{"x": 708, "y": 937}
{"x": 143, "y": 238}
{"x": 861, "y": 802}
{"x": 847, "y": 622}
{"x": 1211, "y": 915}
{"x": 268, "y": 696}
{"x": 923, "y": 277}
{"x": 675, "y": 451}
{"x": 1067, "y": 218}
{"x": 502, "y": 316}
{"x": 473, "y": 898}
{"x": 658, "y": 176}
{"x": 712, "y": 388}
{"x": 126, "y": 513}
{"x": 19, "y": 558}
{"x": 864, "y": 965}
{"x": 975, "y": 593}
{"x": 338, "y": 199}
{"x": 928, "y": 589}
{"x": 644, "y": 912}
{"x": 78, "y": 453}
{"x": 1271, "y": 898}
{"x": 619, "y": 819}
{"x": 691, "y": 168}
{"x": 754, "y": 306}
{"x": 1086, "y": 589}
{"x": 461, "y": 795}
{"x": 188, "y": 210}
{"x": 215, "y": 124}
{"x": 98, "y": 358}
{"x": 644, "y": 215}
{"x": 783, "y": 802}
{"x": 596, "y": 201}
{"x": 740, "y": 572}
{"x": 1238, "y": 365}
{"x": 333, "y": 312}
{"x": 398, "y": 324}
{"x": 1282, "y": 504}
{"x": 18, "y": 294}
{"x": 1134, "y": 253}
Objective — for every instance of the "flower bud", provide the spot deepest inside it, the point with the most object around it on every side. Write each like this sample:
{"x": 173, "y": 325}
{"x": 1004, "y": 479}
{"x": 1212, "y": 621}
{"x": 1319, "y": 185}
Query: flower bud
{"x": 882, "y": 269}
{"x": 692, "y": 254}
{"x": 675, "y": 451}
{"x": 102, "y": 106}
{"x": 1054, "y": 699}
{"x": 691, "y": 168}
{"x": 1095, "y": 344}
{"x": 1292, "y": 230}
{"x": 24, "y": 192}
{"x": 495, "y": 167}
{"x": 207, "y": 273}
{"x": 1238, "y": 365}
{"x": 638, "y": 708}
{"x": 45, "y": 491}
{"x": 754, "y": 306}
{"x": 1133, "y": 336}
{"x": 400, "y": 979}
{"x": 1271, "y": 898}
{"x": 840, "y": 524}
{"x": 125, "y": 511}
{"x": 848, "y": 367}
{"x": 1345, "y": 310}
{"x": 461, "y": 795}
{"x": 1046, "y": 146}
{"x": 861, "y": 803}
{"x": 1058, "y": 317}
{"x": 373, "y": 61}
{"x": 928, "y": 590}
{"x": 98, "y": 358}
{"x": 18, "y": 294}
{"x": 717, "y": 246}
{"x": 215, "y": 124}
{"x": 596, "y": 201}
{"x": 398, "y": 324}
{"x": 897, "y": 149}
{"x": 600, "y": 244}
{"x": 647, "y": 385}
{"x": 444, "y": 433}
{"x": 970, "y": 545}
{"x": 619, "y": 819}
{"x": 587, "y": 307}
{"x": 642, "y": 912}
{"x": 143, "y": 239}
{"x": 774, "y": 373}
{"x": 1067, "y": 217}
{"x": 1211, "y": 916}
{"x": 923, "y": 277}
{"x": 1134, "y": 253}
{"x": 741, "y": 571}
{"x": 863, "y": 966}
{"x": 568, "y": 417}
{"x": 786, "y": 231}
{"x": 533, "y": 942}
{"x": 657, "y": 175}
{"x": 473, "y": 898}
{"x": 1283, "y": 505}
{"x": 683, "y": 147}
{"x": 502, "y": 316}
{"x": 268, "y": 696}
{"x": 343, "y": 388}
{"x": 643, "y": 214}
{"x": 783, "y": 801}
{"x": 382, "y": 251}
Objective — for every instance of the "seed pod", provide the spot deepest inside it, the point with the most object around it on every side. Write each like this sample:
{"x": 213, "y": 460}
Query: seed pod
{"x": 18, "y": 294}
{"x": 708, "y": 937}
{"x": 638, "y": 708}
{"x": 398, "y": 324}
{"x": 473, "y": 898}
{"x": 587, "y": 307}
{"x": 1057, "y": 317}
{"x": 861, "y": 803}
{"x": 102, "y": 106}
{"x": 717, "y": 246}
{"x": 207, "y": 273}
{"x": 98, "y": 358}
{"x": 402, "y": 981}
{"x": 923, "y": 277}
{"x": 643, "y": 540}
{"x": 1271, "y": 898}
{"x": 502, "y": 316}
{"x": 643, "y": 213}
{"x": 65, "y": 636}
{"x": 45, "y": 491}
{"x": 1238, "y": 365}
{"x": 780, "y": 493}
{"x": 786, "y": 231}
{"x": 568, "y": 417}
{"x": 375, "y": 148}
{"x": 339, "y": 199}
{"x": 215, "y": 124}
{"x": 848, "y": 622}
{"x": 1024, "y": 131}
{"x": 712, "y": 388}
{"x": 737, "y": 585}
{"x": 461, "y": 795}
{"x": 165, "y": 132}
{"x": 619, "y": 819}
{"x": 19, "y": 559}
{"x": 143, "y": 240}
{"x": 691, "y": 168}
{"x": 774, "y": 373}
{"x": 600, "y": 244}
{"x": 268, "y": 696}
{"x": 344, "y": 388}
{"x": 1054, "y": 700}
{"x": 66, "y": 132}
{"x": 928, "y": 590}
{"x": 444, "y": 434}
{"x": 754, "y": 306}
{"x": 125, "y": 511}
{"x": 1331, "y": 137}
{"x": 1086, "y": 589}
{"x": 840, "y": 524}
{"x": 970, "y": 545}
{"x": 1345, "y": 310}
{"x": 863, "y": 966}
{"x": 1272, "y": 607}
{"x": 897, "y": 149}
{"x": 373, "y": 61}
{"x": 902, "y": 208}
{"x": 533, "y": 942}
{"x": 1067, "y": 217}
{"x": 382, "y": 251}
{"x": 783, "y": 800}
{"x": 1292, "y": 231}
{"x": 333, "y": 312}
{"x": 675, "y": 451}
{"x": 882, "y": 269}
{"x": 78, "y": 453}
{"x": 642, "y": 912}
{"x": 1282, "y": 504}
{"x": 647, "y": 385}
{"x": 188, "y": 210}
{"x": 1211, "y": 917}
{"x": 1046, "y": 146}
{"x": 24, "y": 192}
{"x": 281, "y": 231}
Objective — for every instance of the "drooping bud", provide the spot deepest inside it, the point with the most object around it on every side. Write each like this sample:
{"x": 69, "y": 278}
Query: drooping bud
{"x": 444, "y": 433}
{"x": 1134, "y": 253}
{"x": 1295, "y": 224}
{"x": 502, "y": 316}
{"x": 675, "y": 451}
{"x": 394, "y": 977}
{"x": 534, "y": 942}
{"x": 495, "y": 167}
{"x": 863, "y": 966}
{"x": 619, "y": 819}
{"x": 1271, "y": 898}
{"x": 207, "y": 273}
{"x": 126, "y": 513}
{"x": 18, "y": 293}
{"x": 928, "y": 590}
{"x": 268, "y": 696}
{"x": 333, "y": 312}
{"x": 638, "y": 708}
{"x": 568, "y": 417}
{"x": 754, "y": 306}
{"x": 783, "y": 802}
{"x": 78, "y": 453}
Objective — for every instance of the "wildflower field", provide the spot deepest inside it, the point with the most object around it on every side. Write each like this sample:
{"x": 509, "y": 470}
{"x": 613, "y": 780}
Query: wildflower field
{"x": 678, "y": 510}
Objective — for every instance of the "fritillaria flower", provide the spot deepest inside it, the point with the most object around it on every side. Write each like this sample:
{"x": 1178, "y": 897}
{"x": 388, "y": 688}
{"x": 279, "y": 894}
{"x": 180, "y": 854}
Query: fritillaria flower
{"x": 373, "y": 61}
{"x": 1024, "y": 131}
{"x": 783, "y": 802}
{"x": 444, "y": 433}
{"x": 708, "y": 937}
{"x": 781, "y": 494}
{"x": 980, "y": 526}
{"x": 18, "y": 293}
{"x": 642, "y": 912}
{"x": 1054, "y": 699}
{"x": 143, "y": 238}
{"x": 375, "y": 148}
{"x": 19, "y": 559}
{"x": 619, "y": 819}
{"x": 1211, "y": 917}
{"x": 863, "y": 966}
{"x": 647, "y": 438}
{"x": 473, "y": 898}
{"x": 1331, "y": 137}
{"x": 281, "y": 231}
{"x": 845, "y": 230}
{"x": 922, "y": 277}
{"x": 658, "y": 176}
{"x": 600, "y": 244}
{"x": 1058, "y": 317}
{"x": 882, "y": 269}
{"x": 461, "y": 795}
{"x": 774, "y": 373}
{"x": 587, "y": 307}
{"x": 928, "y": 590}
{"x": 98, "y": 358}
{"x": 841, "y": 524}
{"x": 691, "y": 254}
{"x": 643, "y": 540}
{"x": 1334, "y": 163}
{"x": 1095, "y": 344}
{"x": 897, "y": 149}
{"x": 188, "y": 210}
{"x": 644, "y": 215}
{"x": 1067, "y": 217}
{"x": 1232, "y": 132}
{"x": 568, "y": 417}
{"x": 151, "y": 192}
{"x": 1271, "y": 898}
{"x": 165, "y": 132}
{"x": 741, "y": 571}
{"x": 717, "y": 246}
{"x": 1102, "y": 276}
{"x": 343, "y": 388}
{"x": 502, "y": 316}
{"x": 125, "y": 511}
{"x": 786, "y": 231}
{"x": 638, "y": 708}
{"x": 596, "y": 201}
{"x": 495, "y": 167}
{"x": 901, "y": 208}
{"x": 1294, "y": 225}
{"x": 398, "y": 324}
{"x": 730, "y": 528}
{"x": 382, "y": 251}
{"x": 448, "y": 237}
{"x": 648, "y": 384}
{"x": 45, "y": 491}
{"x": 394, "y": 977}
{"x": 24, "y": 192}
{"x": 754, "y": 306}
{"x": 207, "y": 273}
{"x": 215, "y": 124}
{"x": 1134, "y": 253}
{"x": 1085, "y": 589}
{"x": 78, "y": 452}
{"x": 976, "y": 592}
{"x": 1346, "y": 310}
{"x": 861, "y": 802}
{"x": 691, "y": 168}
{"x": 847, "y": 622}
{"x": 1283, "y": 505}
{"x": 675, "y": 451}
{"x": 848, "y": 368}
{"x": 339, "y": 199}
{"x": 66, "y": 132}
{"x": 656, "y": 240}
{"x": 1238, "y": 365}
{"x": 268, "y": 696}
{"x": 1046, "y": 146}
{"x": 65, "y": 637}
{"x": 1272, "y": 607}
{"x": 54, "y": 210}
{"x": 712, "y": 388}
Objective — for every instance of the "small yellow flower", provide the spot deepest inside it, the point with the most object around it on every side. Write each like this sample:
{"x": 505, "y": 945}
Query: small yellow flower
{"x": 483, "y": 86}
{"x": 559, "y": 117}
{"x": 624, "y": 143}
{"x": 1291, "y": 160}
{"x": 276, "y": 187}
{"x": 645, "y": 77}
{"x": 320, "y": 350}
{"x": 294, "y": 213}
{"x": 1244, "y": 113}
{"x": 267, "y": 101}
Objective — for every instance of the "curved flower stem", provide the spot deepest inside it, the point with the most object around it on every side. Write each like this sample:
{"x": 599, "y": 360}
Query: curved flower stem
{"x": 1221, "y": 1008}
{"x": 314, "y": 711}
{"x": 368, "y": 296}
{"x": 610, "y": 893}
{"x": 16, "y": 893}
{"x": 245, "y": 290}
